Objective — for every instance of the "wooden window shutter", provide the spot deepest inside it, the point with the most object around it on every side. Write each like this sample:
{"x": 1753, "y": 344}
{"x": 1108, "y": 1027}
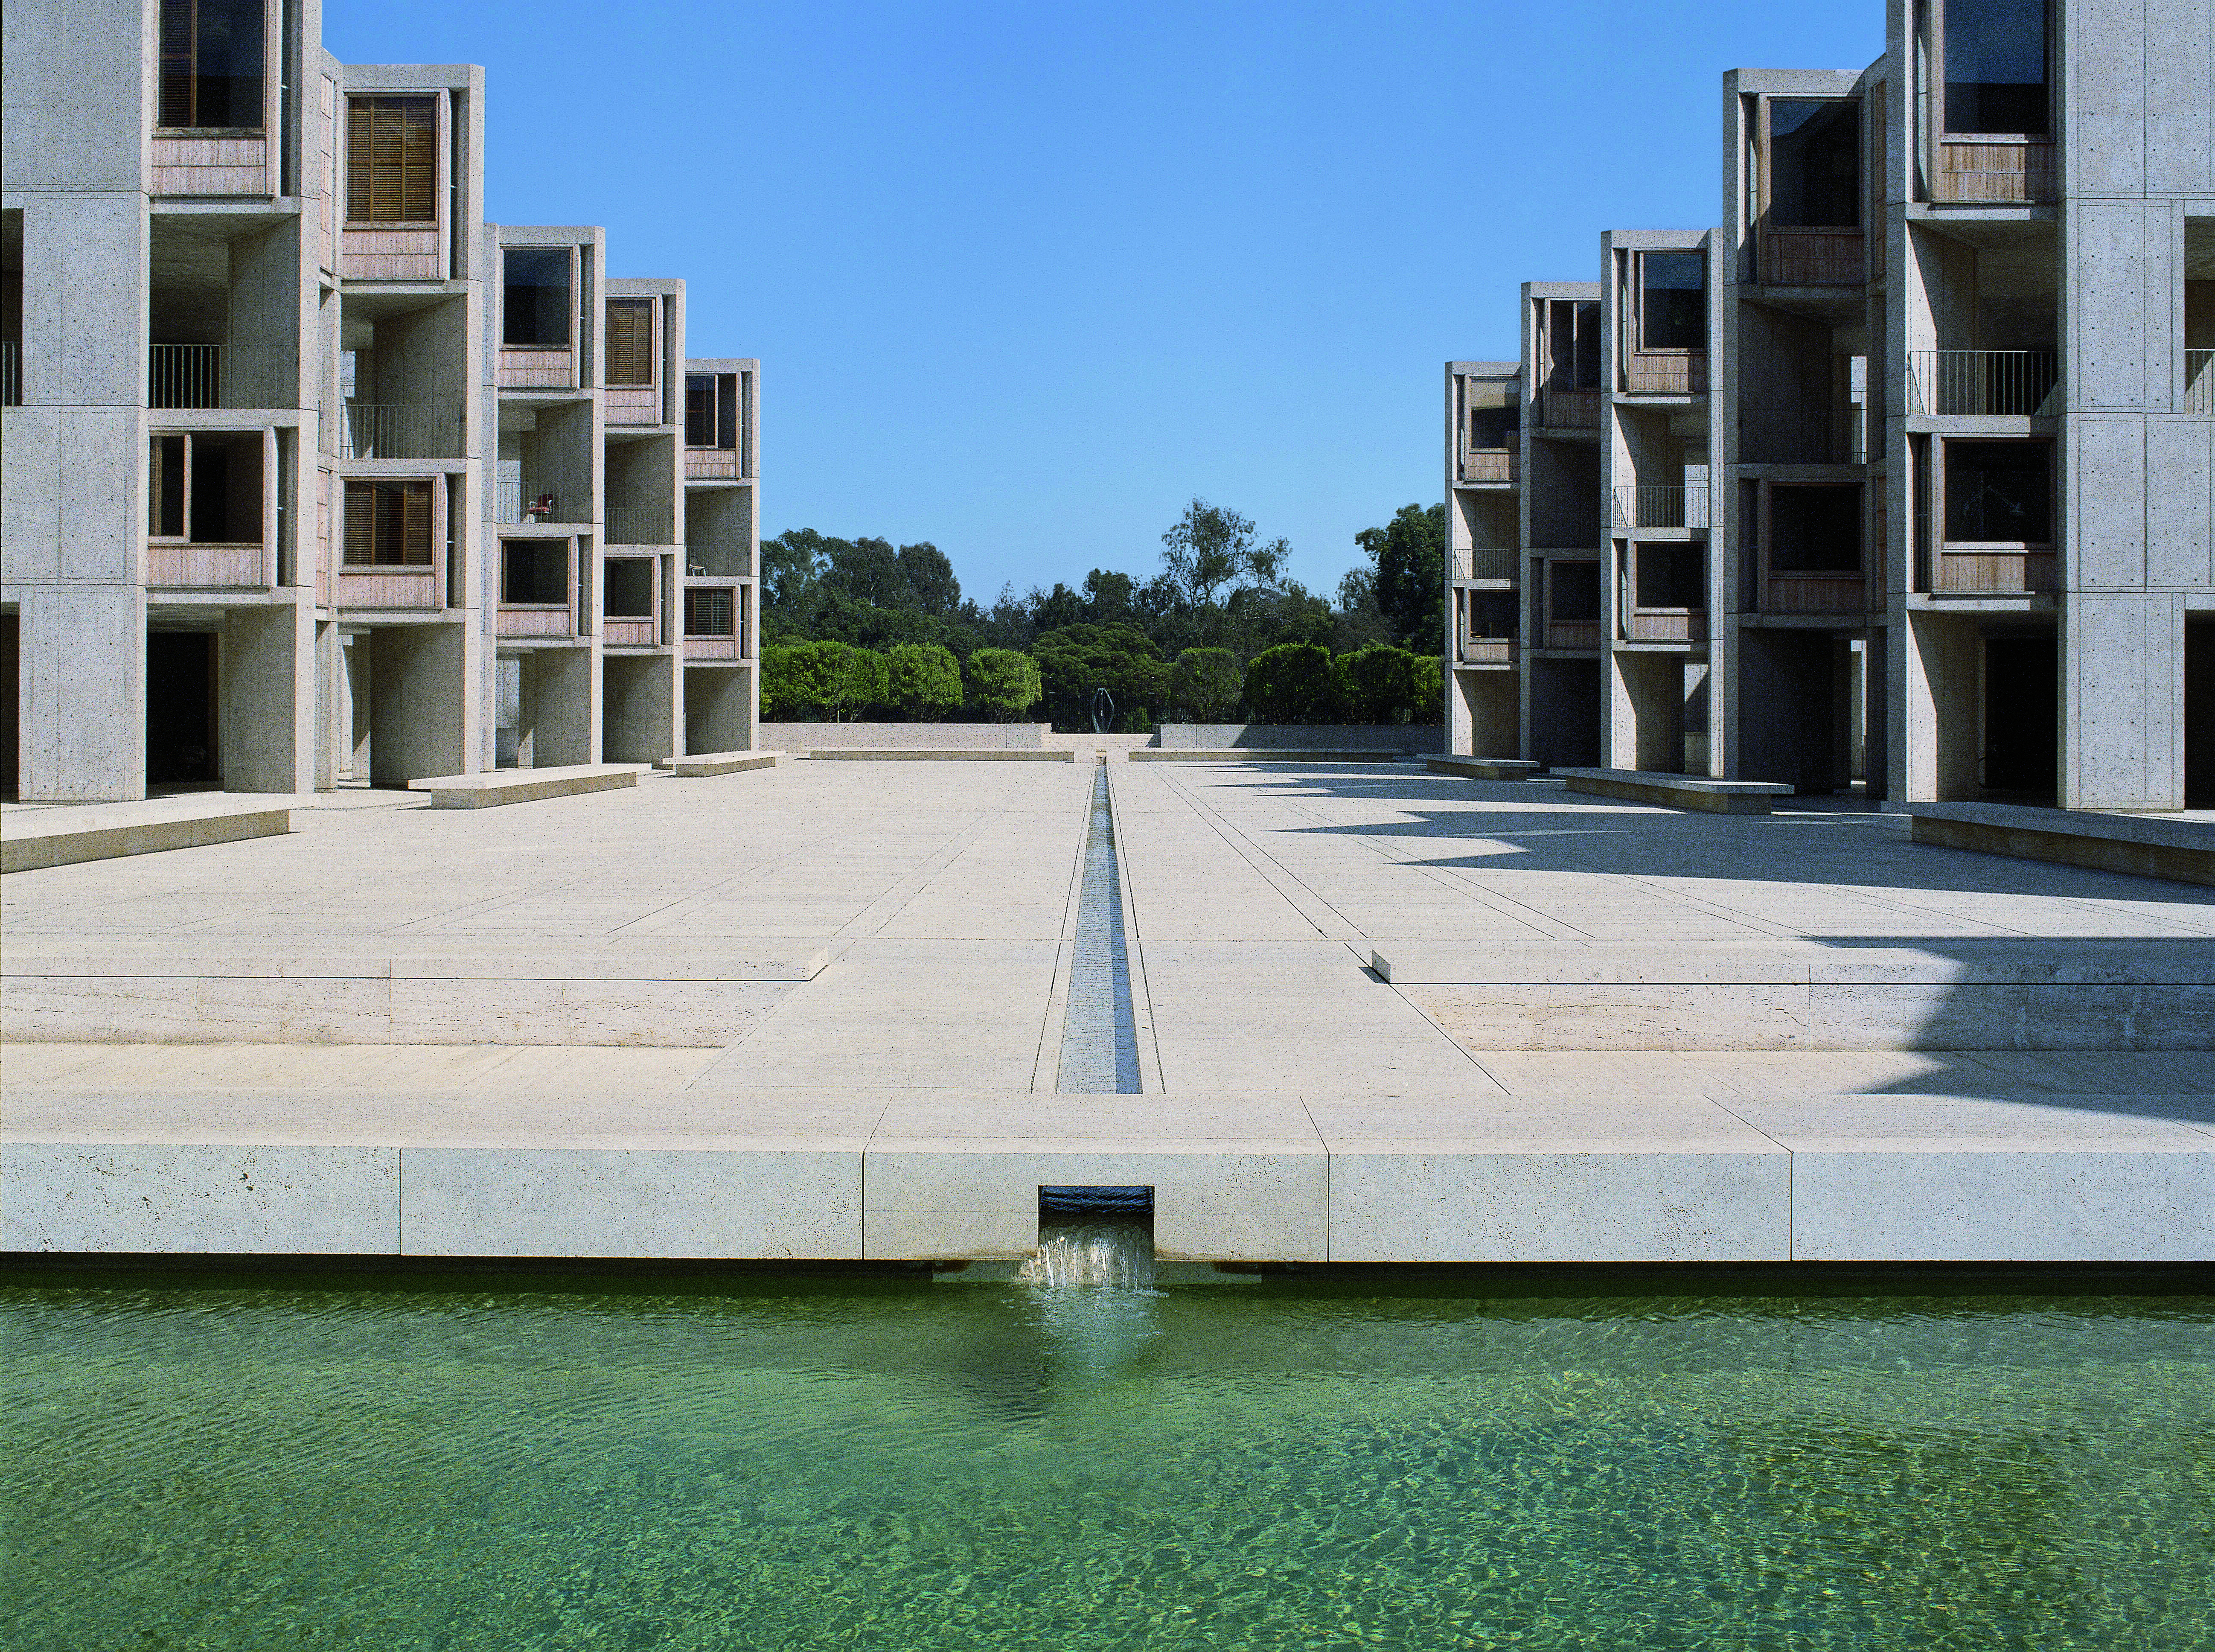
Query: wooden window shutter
{"x": 630, "y": 340}
{"x": 360, "y": 524}
{"x": 415, "y": 534}
{"x": 392, "y": 160}
{"x": 177, "y": 52}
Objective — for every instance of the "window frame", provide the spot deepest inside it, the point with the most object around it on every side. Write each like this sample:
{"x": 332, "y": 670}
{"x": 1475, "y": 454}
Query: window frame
{"x": 441, "y": 150}
{"x": 435, "y": 519}
{"x": 190, "y": 439}
{"x": 1639, "y": 347}
{"x": 1765, "y": 191}
{"x": 570, "y": 310}
{"x": 653, "y": 329}
{"x": 273, "y": 72}
{"x": 1941, "y": 130}
{"x": 570, "y": 575}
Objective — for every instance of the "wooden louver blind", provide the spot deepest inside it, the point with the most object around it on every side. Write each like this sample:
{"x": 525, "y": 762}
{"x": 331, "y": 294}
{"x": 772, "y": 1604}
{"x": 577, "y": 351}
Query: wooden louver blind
{"x": 630, "y": 341}
{"x": 178, "y": 18}
{"x": 388, "y": 525}
{"x": 392, "y": 160}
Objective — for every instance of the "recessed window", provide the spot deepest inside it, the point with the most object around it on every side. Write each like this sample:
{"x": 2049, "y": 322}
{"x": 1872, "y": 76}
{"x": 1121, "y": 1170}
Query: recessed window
{"x": 1672, "y": 301}
{"x": 1996, "y": 57}
{"x": 203, "y": 488}
{"x": 392, "y": 160}
{"x": 1815, "y": 529}
{"x": 630, "y": 341}
{"x": 709, "y": 611}
{"x": 1814, "y": 163}
{"x": 1572, "y": 593}
{"x": 1671, "y": 576}
{"x": 1496, "y": 415}
{"x": 211, "y": 64}
{"x": 534, "y": 304}
{"x": 629, "y": 588}
{"x": 711, "y": 410}
{"x": 387, "y": 524}
{"x": 535, "y": 574}
{"x": 1999, "y": 492}
{"x": 1573, "y": 344}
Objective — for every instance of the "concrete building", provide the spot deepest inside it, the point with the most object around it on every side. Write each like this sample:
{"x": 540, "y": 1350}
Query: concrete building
{"x": 1928, "y": 507}
{"x": 311, "y": 476}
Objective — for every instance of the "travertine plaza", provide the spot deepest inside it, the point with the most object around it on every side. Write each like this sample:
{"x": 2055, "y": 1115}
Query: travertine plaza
{"x": 336, "y": 518}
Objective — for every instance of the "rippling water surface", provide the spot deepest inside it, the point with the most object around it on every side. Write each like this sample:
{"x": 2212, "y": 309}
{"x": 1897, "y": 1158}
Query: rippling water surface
{"x": 886, "y": 1464}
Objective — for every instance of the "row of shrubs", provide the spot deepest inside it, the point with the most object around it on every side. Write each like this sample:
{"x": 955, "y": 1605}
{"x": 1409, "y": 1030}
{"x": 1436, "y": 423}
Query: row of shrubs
{"x": 1292, "y": 683}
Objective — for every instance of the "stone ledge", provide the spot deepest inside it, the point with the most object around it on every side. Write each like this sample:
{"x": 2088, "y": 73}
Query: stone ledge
{"x": 942, "y": 754}
{"x": 69, "y": 833}
{"x": 496, "y": 787}
{"x": 1485, "y": 768}
{"x": 704, "y": 765}
{"x": 2183, "y": 851}
{"x": 1245, "y": 754}
{"x": 1676, "y": 790}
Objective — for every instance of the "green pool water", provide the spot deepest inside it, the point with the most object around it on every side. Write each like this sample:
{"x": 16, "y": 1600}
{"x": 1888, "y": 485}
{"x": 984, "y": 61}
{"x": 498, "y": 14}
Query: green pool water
{"x": 886, "y": 1463}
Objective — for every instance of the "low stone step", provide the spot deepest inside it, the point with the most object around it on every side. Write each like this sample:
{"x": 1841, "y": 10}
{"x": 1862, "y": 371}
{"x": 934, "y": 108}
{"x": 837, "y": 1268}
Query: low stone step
{"x": 1242, "y": 754}
{"x": 66, "y": 833}
{"x": 2149, "y": 846}
{"x": 940, "y": 754}
{"x": 1676, "y": 790}
{"x": 1485, "y": 768}
{"x": 496, "y": 787}
{"x": 702, "y": 765}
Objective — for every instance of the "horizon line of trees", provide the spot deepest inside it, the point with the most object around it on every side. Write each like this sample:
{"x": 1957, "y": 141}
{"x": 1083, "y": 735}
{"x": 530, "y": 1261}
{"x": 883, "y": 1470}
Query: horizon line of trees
{"x": 1186, "y": 641}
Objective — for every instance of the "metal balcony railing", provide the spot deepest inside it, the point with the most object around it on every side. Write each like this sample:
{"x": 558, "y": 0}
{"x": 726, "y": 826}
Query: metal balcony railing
{"x": 1661, "y": 507}
{"x": 219, "y": 376}
{"x": 2017, "y": 383}
{"x": 399, "y": 431}
{"x": 638, "y": 525}
{"x": 11, "y": 373}
{"x": 2198, "y": 382}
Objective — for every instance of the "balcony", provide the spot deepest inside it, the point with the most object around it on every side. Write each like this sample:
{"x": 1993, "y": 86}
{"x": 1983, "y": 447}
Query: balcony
{"x": 1996, "y": 171}
{"x": 1573, "y": 634}
{"x": 1676, "y": 372}
{"x": 1802, "y": 593}
{"x": 1570, "y": 409}
{"x": 399, "y": 431}
{"x": 188, "y": 566}
{"x": 220, "y": 376}
{"x": 1487, "y": 651}
{"x": 1973, "y": 383}
{"x": 715, "y": 619}
{"x": 1661, "y": 507}
{"x": 630, "y": 615}
{"x": 712, "y": 464}
{"x": 1806, "y": 258}
{"x": 2199, "y": 383}
{"x": 2006, "y": 571}
{"x": 211, "y": 163}
{"x": 1487, "y": 465}
{"x": 514, "y": 502}
{"x": 536, "y": 579}
{"x": 639, "y": 524}
{"x": 528, "y": 369}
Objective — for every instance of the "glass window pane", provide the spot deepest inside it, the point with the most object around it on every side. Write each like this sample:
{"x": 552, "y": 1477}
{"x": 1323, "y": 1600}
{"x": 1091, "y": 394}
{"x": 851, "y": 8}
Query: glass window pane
{"x": 1814, "y": 163}
{"x": 1999, "y": 492}
{"x": 1996, "y": 55}
{"x": 534, "y": 573}
{"x": 1815, "y": 529}
{"x": 629, "y": 588}
{"x": 1575, "y": 591}
{"x": 1674, "y": 301}
{"x": 1669, "y": 576}
{"x": 699, "y": 410}
{"x": 1496, "y": 415}
{"x": 535, "y": 297}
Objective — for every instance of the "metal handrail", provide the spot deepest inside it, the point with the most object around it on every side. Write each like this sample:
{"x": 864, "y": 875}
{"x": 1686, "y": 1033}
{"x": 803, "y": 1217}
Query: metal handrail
{"x": 392, "y": 430}
{"x": 2010, "y": 383}
{"x": 1661, "y": 507}
{"x": 2199, "y": 381}
{"x": 219, "y": 376}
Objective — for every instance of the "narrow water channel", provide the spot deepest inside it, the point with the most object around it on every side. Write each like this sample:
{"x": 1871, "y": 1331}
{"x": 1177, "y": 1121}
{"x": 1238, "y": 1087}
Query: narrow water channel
{"x": 1100, "y": 1038}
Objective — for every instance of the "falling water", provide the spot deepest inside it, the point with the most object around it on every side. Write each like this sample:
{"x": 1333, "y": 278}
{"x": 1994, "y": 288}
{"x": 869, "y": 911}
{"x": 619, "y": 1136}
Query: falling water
{"x": 1072, "y": 1255}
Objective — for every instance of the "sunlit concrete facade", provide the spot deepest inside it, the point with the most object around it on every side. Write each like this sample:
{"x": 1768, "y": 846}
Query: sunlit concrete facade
{"x": 1946, "y": 528}
{"x": 273, "y": 392}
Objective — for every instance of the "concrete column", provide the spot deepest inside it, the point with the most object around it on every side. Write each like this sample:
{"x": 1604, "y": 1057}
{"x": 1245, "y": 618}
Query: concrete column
{"x": 1934, "y": 720}
{"x": 2122, "y": 700}
{"x": 83, "y": 707}
{"x": 641, "y": 708}
{"x": 264, "y": 699}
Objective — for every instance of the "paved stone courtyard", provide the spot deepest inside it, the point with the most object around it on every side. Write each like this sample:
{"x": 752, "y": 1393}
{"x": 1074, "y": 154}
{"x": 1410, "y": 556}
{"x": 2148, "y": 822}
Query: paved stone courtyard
{"x": 834, "y": 961}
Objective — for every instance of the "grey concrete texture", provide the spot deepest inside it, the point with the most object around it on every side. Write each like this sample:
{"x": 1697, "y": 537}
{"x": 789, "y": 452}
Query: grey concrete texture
{"x": 62, "y": 835}
{"x": 816, "y": 1011}
{"x": 1413, "y": 739}
{"x": 820, "y": 736}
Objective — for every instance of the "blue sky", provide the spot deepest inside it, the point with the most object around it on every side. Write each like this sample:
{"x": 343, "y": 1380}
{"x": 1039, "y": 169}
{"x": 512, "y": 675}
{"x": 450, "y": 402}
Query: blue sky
{"x": 1024, "y": 278}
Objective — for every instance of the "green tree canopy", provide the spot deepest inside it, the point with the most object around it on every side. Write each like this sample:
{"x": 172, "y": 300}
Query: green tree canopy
{"x": 1075, "y": 659}
{"x": 1409, "y": 559}
{"x": 1207, "y": 683}
{"x": 1003, "y": 684}
{"x": 1292, "y": 683}
{"x": 1209, "y": 547}
{"x": 1378, "y": 684}
{"x": 924, "y": 680}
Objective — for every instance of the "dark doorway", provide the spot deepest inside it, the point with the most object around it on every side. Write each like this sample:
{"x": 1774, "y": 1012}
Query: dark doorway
{"x": 2199, "y": 714}
{"x": 2022, "y": 726}
{"x": 11, "y": 669}
{"x": 181, "y": 708}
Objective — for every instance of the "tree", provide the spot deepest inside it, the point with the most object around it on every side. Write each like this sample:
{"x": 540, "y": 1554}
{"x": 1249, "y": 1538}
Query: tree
{"x": 1427, "y": 690}
{"x": 1292, "y": 683}
{"x": 930, "y": 582}
{"x": 1208, "y": 548}
{"x": 1003, "y": 684}
{"x": 1207, "y": 683}
{"x": 1409, "y": 557}
{"x": 1377, "y": 685}
{"x": 1106, "y": 597}
{"x": 925, "y": 681}
{"x": 1075, "y": 659}
{"x": 803, "y": 680}
{"x": 863, "y": 685}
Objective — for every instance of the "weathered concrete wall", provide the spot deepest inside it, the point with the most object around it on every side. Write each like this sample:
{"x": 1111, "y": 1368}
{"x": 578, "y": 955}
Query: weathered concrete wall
{"x": 982, "y": 736}
{"x": 639, "y": 708}
{"x": 1291, "y": 737}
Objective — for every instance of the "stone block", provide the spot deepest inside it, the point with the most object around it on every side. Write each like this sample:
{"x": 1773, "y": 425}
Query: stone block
{"x": 296, "y": 1201}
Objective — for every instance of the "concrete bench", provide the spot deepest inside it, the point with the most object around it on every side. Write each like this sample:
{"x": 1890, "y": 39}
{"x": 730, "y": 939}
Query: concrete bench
{"x": 702, "y": 765}
{"x": 940, "y": 754}
{"x": 66, "y": 833}
{"x": 2147, "y": 845}
{"x": 1246, "y": 754}
{"x": 498, "y": 786}
{"x": 1676, "y": 790}
{"x": 1484, "y": 768}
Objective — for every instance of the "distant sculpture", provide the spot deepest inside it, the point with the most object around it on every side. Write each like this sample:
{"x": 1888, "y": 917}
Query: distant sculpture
{"x": 1103, "y": 711}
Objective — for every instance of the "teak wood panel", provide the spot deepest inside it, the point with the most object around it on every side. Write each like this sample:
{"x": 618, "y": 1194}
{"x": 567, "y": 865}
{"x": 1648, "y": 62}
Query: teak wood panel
{"x": 1570, "y": 409}
{"x": 1813, "y": 258}
{"x": 208, "y": 567}
{"x": 531, "y": 622}
{"x": 711, "y": 648}
{"x": 2020, "y": 171}
{"x": 1671, "y": 373}
{"x": 388, "y": 253}
{"x": 711, "y": 462}
{"x": 639, "y": 405}
{"x": 1788, "y": 593}
{"x": 535, "y": 369}
{"x": 1667, "y": 628}
{"x": 413, "y": 587}
{"x": 630, "y": 633}
{"x": 1487, "y": 651}
{"x": 1487, "y": 465}
{"x": 210, "y": 166}
{"x": 1573, "y": 634}
{"x": 1998, "y": 570}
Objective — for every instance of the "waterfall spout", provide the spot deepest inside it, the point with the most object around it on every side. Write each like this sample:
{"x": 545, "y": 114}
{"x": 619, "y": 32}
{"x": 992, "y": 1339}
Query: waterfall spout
{"x": 1116, "y": 1255}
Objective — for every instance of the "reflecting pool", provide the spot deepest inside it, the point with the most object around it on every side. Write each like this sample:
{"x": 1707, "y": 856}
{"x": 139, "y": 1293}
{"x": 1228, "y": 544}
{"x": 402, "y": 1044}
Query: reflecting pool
{"x": 526, "y": 1461}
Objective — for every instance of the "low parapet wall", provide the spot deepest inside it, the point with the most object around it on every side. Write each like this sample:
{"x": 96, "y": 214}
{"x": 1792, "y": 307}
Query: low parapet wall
{"x": 2150, "y": 846}
{"x": 936, "y": 736}
{"x": 1414, "y": 738}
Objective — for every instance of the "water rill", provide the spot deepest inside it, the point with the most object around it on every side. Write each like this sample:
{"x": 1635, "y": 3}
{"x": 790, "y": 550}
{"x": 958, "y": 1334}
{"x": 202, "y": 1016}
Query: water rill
{"x": 1094, "y": 1237}
{"x": 1100, "y": 1039}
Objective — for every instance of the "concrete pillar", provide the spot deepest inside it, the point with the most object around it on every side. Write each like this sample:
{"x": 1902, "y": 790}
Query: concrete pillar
{"x": 564, "y": 699}
{"x": 641, "y": 708}
{"x": 263, "y": 700}
{"x": 1935, "y": 723}
{"x": 2122, "y": 700}
{"x": 718, "y": 703}
{"x": 417, "y": 703}
{"x": 83, "y": 709}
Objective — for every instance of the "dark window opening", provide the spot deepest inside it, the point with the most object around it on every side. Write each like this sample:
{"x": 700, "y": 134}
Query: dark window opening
{"x": 1672, "y": 301}
{"x": 1573, "y": 353}
{"x": 392, "y": 160}
{"x": 1495, "y": 417}
{"x": 181, "y": 708}
{"x": 204, "y": 488}
{"x": 211, "y": 65}
{"x": 534, "y": 574}
{"x": 628, "y": 588}
{"x": 1671, "y": 576}
{"x": 388, "y": 525}
{"x": 1574, "y": 593}
{"x": 1815, "y": 529}
{"x": 1996, "y": 54}
{"x": 1493, "y": 613}
{"x": 709, "y": 612}
{"x": 630, "y": 341}
{"x": 1999, "y": 492}
{"x": 534, "y": 304}
{"x": 711, "y": 410}
{"x": 1814, "y": 163}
